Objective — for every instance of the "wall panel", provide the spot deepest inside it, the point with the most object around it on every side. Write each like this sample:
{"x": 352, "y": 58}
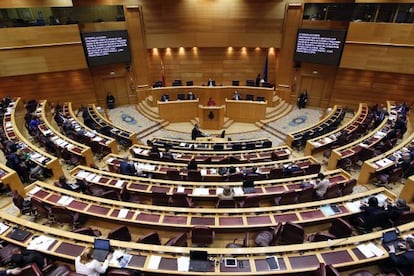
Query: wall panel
{"x": 58, "y": 87}
{"x": 221, "y": 64}
{"x": 354, "y": 86}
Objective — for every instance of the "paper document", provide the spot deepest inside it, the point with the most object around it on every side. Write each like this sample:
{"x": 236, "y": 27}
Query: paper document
{"x": 34, "y": 190}
{"x": 154, "y": 262}
{"x": 183, "y": 263}
{"x": 41, "y": 243}
{"x": 123, "y": 213}
{"x": 3, "y": 227}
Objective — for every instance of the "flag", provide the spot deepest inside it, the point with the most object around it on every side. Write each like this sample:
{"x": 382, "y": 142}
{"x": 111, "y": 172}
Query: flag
{"x": 162, "y": 73}
{"x": 265, "y": 68}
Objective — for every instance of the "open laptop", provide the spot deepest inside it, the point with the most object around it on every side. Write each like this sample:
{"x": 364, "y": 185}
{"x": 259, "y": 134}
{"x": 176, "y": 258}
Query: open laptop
{"x": 198, "y": 261}
{"x": 248, "y": 187}
{"x": 391, "y": 238}
{"x": 101, "y": 249}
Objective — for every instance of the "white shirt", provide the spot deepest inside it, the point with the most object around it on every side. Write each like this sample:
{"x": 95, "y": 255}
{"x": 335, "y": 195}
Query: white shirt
{"x": 93, "y": 268}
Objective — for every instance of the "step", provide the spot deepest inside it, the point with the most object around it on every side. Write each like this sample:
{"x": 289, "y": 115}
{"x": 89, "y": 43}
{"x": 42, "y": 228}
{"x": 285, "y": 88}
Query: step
{"x": 287, "y": 108}
{"x": 148, "y": 131}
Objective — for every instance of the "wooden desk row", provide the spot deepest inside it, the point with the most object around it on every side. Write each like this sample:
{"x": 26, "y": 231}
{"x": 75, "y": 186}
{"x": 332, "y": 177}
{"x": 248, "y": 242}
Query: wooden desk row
{"x": 149, "y": 187}
{"x": 361, "y": 118}
{"x": 9, "y": 177}
{"x": 386, "y": 160}
{"x": 328, "y": 122}
{"x": 367, "y": 141}
{"x": 207, "y": 157}
{"x": 15, "y": 117}
{"x": 46, "y": 128}
{"x": 180, "y": 217}
{"x": 118, "y": 133}
{"x": 211, "y": 172}
{"x": 211, "y": 144}
{"x": 246, "y": 111}
{"x": 293, "y": 259}
{"x": 218, "y": 93}
{"x": 93, "y": 135}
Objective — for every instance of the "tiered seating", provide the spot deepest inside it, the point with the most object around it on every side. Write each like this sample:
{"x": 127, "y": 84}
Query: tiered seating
{"x": 298, "y": 139}
{"x": 98, "y": 142}
{"x": 206, "y": 172}
{"x": 343, "y": 135}
{"x": 95, "y": 120}
{"x": 246, "y": 156}
{"x": 10, "y": 123}
{"x": 211, "y": 144}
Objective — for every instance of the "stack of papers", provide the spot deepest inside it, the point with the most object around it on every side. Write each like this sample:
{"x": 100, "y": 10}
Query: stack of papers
{"x": 370, "y": 250}
{"x": 353, "y": 207}
{"x": 123, "y": 213}
{"x": 41, "y": 243}
{"x": 3, "y": 227}
{"x": 183, "y": 263}
{"x": 201, "y": 191}
{"x": 65, "y": 200}
{"x": 154, "y": 262}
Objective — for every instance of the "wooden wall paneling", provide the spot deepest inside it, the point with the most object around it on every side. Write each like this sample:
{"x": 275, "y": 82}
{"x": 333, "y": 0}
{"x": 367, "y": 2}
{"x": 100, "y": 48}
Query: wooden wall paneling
{"x": 190, "y": 23}
{"x": 354, "y": 86}
{"x": 221, "y": 64}
{"x": 378, "y": 58}
{"x": 285, "y": 71}
{"x": 381, "y": 33}
{"x": 102, "y": 26}
{"x": 35, "y": 3}
{"x": 383, "y": 1}
{"x": 139, "y": 74}
{"x": 57, "y": 87}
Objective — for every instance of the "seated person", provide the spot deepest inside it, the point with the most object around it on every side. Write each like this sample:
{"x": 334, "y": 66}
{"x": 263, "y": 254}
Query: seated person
{"x": 371, "y": 212}
{"x": 86, "y": 265}
{"x": 211, "y": 102}
{"x": 191, "y": 96}
{"x": 405, "y": 261}
{"x": 126, "y": 167}
{"x": 164, "y": 98}
{"x": 192, "y": 165}
{"x": 227, "y": 193}
{"x": 210, "y": 82}
{"x": 22, "y": 257}
{"x": 236, "y": 96}
{"x": 395, "y": 209}
{"x": 321, "y": 186}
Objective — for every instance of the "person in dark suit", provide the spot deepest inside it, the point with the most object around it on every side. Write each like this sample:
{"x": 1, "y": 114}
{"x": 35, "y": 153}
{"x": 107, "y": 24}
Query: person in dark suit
{"x": 110, "y": 101}
{"x": 236, "y": 96}
{"x": 371, "y": 214}
{"x": 192, "y": 165}
{"x": 191, "y": 96}
{"x": 405, "y": 261}
{"x": 395, "y": 209}
{"x": 22, "y": 258}
{"x": 126, "y": 167}
{"x": 14, "y": 271}
{"x": 258, "y": 80}
{"x": 210, "y": 82}
{"x": 195, "y": 132}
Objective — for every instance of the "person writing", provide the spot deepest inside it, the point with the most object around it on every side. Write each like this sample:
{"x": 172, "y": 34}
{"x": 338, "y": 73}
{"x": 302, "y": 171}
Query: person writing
{"x": 211, "y": 102}
{"x": 405, "y": 261}
{"x": 86, "y": 265}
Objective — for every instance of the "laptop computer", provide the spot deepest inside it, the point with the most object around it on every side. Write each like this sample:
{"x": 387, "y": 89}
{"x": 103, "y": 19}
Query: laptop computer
{"x": 101, "y": 249}
{"x": 248, "y": 187}
{"x": 198, "y": 261}
{"x": 391, "y": 238}
{"x": 19, "y": 234}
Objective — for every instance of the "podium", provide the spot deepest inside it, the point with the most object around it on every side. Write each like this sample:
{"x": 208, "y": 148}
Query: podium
{"x": 211, "y": 117}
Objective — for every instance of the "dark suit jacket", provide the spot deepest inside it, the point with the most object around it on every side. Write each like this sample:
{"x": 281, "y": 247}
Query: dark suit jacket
{"x": 404, "y": 261}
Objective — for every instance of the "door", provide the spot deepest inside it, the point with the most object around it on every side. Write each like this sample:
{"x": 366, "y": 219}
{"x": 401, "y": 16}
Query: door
{"x": 118, "y": 88}
{"x": 315, "y": 87}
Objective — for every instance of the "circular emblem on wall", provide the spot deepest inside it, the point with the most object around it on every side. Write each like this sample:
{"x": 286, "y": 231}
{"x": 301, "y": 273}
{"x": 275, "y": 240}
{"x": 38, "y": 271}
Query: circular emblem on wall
{"x": 298, "y": 120}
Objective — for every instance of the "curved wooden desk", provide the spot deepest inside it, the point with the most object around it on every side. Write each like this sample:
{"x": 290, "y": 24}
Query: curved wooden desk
{"x": 384, "y": 161}
{"x": 361, "y": 117}
{"x": 247, "y": 156}
{"x": 178, "y": 111}
{"x": 246, "y": 111}
{"x": 293, "y": 259}
{"x": 148, "y": 188}
{"x": 209, "y": 145}
{"x": 367, "y": 141}
{"x": 60, "y": 140}
{"x": 209, "y": 172}
{"x": 118, "y": 133}
{"x": 218, "y": 93}
{"x": 175, "y": 218}
{"x": 318, "y": 129}
{"x": 10, "y": 178}
{"x": 14, "y": 117}
{"x": 211, "y": 117}
{"x": 104, "y": 141}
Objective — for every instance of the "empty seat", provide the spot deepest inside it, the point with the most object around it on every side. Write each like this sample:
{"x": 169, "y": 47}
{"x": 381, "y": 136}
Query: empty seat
{"x": 202, "y": 235}
{"x": 180, "y": 240}
{"x": 291, "y": 233}
{"x": 288, "y": 197}
{"x": 150, "y": 238}
{"x": 249, "y": 202}
{"x": 120, "y": 233}
{"x": 181, "y": 200}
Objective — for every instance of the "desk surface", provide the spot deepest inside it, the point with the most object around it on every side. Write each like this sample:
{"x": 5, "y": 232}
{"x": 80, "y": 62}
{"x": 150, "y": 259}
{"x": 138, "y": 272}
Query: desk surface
{"x": 180, "y": 217}
{"x": 343, "y": 253}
